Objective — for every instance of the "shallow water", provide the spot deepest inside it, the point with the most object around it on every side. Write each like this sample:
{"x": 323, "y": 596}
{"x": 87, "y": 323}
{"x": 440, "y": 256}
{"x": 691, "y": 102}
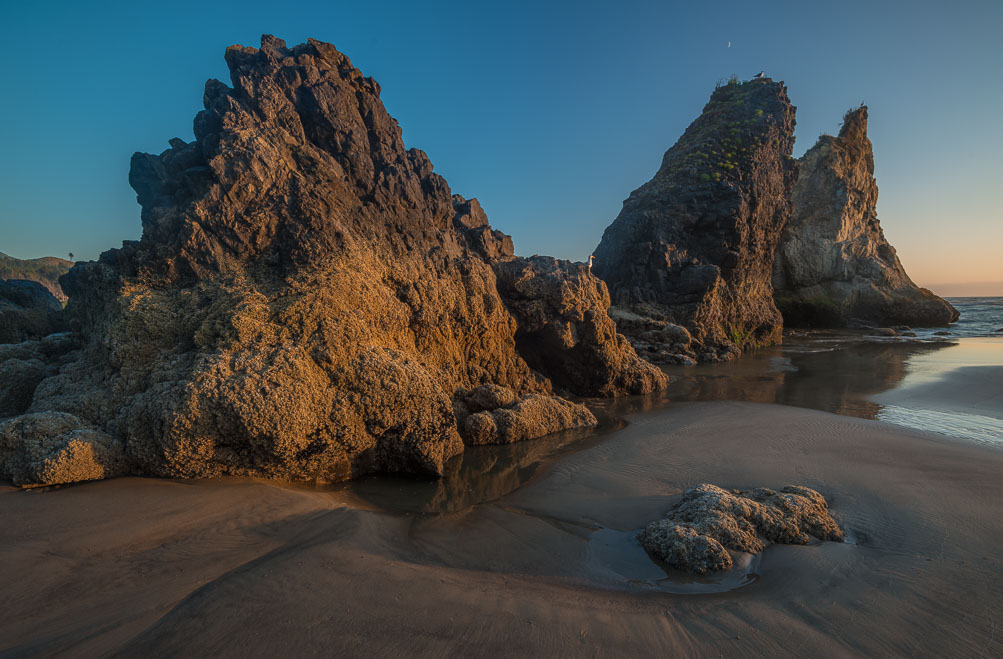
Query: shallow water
{"x": 944, "y": 380}
{"x": 951, "y": 387}
{"x": 948, "y": 385}
{"x": 620, "y": 556}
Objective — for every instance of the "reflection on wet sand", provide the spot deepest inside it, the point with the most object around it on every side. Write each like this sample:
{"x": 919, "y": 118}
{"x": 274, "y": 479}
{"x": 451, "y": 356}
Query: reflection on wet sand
{"x": 481, "y": 474}
{"x": 847, "y": 376}
{"x": 833, "y": 378}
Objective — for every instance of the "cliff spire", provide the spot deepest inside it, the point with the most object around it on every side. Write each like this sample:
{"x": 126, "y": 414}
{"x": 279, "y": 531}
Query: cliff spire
{"x": 834, "y": 266}
{"x": 694, "y": 245}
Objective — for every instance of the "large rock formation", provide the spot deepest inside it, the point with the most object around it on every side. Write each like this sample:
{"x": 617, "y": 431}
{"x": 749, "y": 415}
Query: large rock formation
{"x": 833, "y": 266}
{"x": 306, "y": 302}
{"x": 694, "y": 245}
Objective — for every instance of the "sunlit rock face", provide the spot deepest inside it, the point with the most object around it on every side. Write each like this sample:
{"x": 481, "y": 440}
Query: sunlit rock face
{"x": 833, "y": 266}
{"x": 306, "y": 300}
{"x": 694, "y": 245}
{"x": 699, "y": 531}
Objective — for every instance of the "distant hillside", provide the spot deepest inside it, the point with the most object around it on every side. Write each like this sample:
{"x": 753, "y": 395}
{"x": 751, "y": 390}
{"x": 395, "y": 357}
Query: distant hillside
{"x": 45, "y": 271}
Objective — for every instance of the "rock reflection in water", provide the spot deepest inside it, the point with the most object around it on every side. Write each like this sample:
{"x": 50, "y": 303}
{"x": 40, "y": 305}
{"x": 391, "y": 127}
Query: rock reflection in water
{"x": 836, "y": 378}
{"x": 479, "y": 475}
{"x": 833, "y": 376}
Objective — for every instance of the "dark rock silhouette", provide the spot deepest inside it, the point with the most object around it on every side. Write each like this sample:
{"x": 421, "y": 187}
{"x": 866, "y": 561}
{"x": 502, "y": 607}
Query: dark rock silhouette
{"x": 694, "y": 245}
{"x": 305, "y": 302}
{"x": 833, "y": 266}
{"x": 46, "y": 271}
{"x": 28, "y": 311}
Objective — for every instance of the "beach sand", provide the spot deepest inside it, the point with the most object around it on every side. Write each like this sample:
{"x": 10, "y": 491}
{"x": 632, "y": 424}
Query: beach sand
{"x": 247, "y": 568}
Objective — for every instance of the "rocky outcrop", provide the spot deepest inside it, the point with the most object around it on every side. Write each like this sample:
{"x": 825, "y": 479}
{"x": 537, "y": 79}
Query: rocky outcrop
{"x": 564, "y": 329}
{"x": 28, "y": 311}
{"x": 694, "y": 245}
{"x": 50, "y": 448}
{"x": 700, "y": 530}
{"x": 308, "y": 299}
{"x": 18, "y": 380}
{"x": 491, "y": 414}
{"x": 561, "y": 310}
{"x": 46, "y": 271}
{"x": 23, "y": 366}
{"x": 658, "y": 340}
{"x": 833, "y": 266}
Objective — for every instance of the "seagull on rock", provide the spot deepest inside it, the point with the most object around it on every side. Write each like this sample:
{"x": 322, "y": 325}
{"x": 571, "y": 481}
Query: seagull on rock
{"x": 760, "y": 75}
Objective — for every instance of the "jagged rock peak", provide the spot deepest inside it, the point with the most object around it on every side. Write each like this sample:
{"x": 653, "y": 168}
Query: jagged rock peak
{"x": 308, "y": 301}
{"x": 694, "y": 245}
{"x": 295, "y": 120}
{"x": 834, "y": 266}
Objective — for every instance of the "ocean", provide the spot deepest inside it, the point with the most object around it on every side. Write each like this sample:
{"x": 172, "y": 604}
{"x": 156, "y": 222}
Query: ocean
{"x": 980, "y": 316}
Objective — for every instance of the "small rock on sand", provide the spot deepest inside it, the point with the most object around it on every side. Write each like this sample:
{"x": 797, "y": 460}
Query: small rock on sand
{"x": 700, "y": 529}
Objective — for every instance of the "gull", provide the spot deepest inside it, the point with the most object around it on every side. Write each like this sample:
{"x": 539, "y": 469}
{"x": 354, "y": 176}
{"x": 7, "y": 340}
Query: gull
{"x": 592, "y": 257}
{"x": 729, "y": 44}
{"x": 760, "y": 75}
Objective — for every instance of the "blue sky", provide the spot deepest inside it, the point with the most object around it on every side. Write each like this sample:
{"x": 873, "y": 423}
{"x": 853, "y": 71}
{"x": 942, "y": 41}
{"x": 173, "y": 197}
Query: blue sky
{"x": 549, "y": 113}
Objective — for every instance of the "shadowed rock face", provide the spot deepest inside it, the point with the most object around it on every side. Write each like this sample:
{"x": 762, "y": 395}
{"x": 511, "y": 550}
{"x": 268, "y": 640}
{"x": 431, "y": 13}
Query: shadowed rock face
{"x": 694, "y": 245}
{"x": 305, "y": 302}
{"x": 561, "y": 309}
{"x": 28, "y": 311}
{"x": 564, "y": 329}
{"x": 833, "y": 266}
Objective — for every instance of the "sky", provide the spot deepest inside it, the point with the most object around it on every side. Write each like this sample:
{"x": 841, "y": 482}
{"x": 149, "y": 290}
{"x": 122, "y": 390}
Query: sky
{"x": 548, "y": 113}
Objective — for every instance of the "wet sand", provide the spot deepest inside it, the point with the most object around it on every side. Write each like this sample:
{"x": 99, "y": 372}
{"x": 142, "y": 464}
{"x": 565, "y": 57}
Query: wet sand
{"x": 547, "y": 567}
{"x": 953, "y": 387}
{"x": 957, "y": 391}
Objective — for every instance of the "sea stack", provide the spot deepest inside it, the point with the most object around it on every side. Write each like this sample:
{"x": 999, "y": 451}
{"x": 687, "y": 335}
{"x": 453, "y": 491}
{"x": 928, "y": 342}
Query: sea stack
{"x": 694, "y": 245}
{"x": 833, "y": 266}
{"x": 308, "y": 301}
